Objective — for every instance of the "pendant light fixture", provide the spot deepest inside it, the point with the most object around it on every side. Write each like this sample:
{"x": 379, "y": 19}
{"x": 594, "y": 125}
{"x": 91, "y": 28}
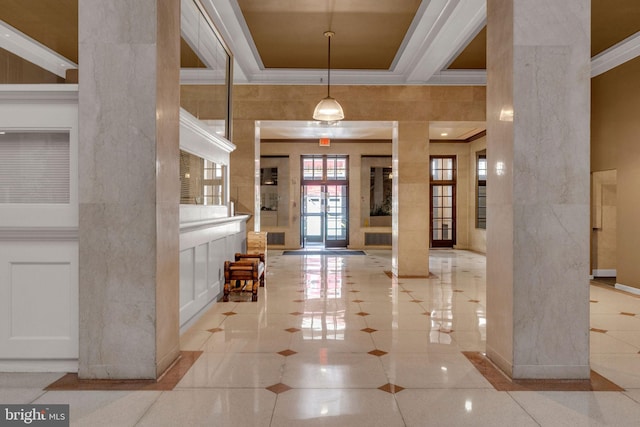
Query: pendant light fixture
{"x": 328, "y": 109}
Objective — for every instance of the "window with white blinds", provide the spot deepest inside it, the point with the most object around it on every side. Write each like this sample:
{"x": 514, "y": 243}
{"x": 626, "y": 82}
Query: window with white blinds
{"x": 34, "y": 167}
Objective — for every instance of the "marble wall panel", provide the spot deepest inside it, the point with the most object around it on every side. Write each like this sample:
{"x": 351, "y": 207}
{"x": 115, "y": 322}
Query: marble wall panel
{"x": 409, "y": 104}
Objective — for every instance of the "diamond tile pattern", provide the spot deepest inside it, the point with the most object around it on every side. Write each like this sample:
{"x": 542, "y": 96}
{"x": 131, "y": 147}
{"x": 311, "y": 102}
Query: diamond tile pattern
{"x": 278, "y": 388}
{"x": 303, "y": 355}
{"x": 391, "y": 388}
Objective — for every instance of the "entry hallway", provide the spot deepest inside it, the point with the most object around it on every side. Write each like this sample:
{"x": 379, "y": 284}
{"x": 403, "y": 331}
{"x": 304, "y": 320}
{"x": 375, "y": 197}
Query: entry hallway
{"x": 335, "y": 341}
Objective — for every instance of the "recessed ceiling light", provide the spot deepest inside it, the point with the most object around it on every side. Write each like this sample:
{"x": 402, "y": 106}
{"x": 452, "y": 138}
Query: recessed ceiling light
{"x": 444, "y": 134}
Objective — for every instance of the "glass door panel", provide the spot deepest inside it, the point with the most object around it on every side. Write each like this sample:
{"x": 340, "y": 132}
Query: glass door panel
{"x": 325, "y": 200}
{"x": 442, "y": 215}
{"x": 337, "y": 216}
{"x": 313, "y": 208}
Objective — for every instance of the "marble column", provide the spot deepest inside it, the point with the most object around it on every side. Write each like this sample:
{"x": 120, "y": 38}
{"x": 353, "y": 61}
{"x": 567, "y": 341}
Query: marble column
{"x": 538, "y": 89}
{"x": 129, "y": 97}
{"x": 410, "y": 223}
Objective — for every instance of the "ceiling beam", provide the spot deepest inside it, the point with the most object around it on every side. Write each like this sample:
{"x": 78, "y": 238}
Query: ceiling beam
{"x": 33, "y": 51}
{"x": 618, "y": 54}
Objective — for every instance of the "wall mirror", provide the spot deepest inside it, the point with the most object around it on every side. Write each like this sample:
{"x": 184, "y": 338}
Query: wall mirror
{"x": 274, "y": 192}
{"x": 205, "y": 70}
{"x": 377, "y": 191}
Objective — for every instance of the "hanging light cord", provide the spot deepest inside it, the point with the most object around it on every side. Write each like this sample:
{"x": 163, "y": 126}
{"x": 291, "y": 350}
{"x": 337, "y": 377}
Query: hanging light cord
{"x": 329, "y": 34}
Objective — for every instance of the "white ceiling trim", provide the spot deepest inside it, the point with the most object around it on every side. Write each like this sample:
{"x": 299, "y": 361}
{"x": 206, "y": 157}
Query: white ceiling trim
{"x": 439, "y": 31}
{"x": 31, "y": 50}
{"x": 429, "y": 18}
{"x": 295, "y": 129}
{"x": 465, "y": 20}
{"x": 228, "y": 20}
{"x": 616, "y": 55}
{"x": 459, "y": 78}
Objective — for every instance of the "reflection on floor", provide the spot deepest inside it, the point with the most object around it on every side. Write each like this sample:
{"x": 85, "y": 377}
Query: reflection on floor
{"x": 334, "y": 341}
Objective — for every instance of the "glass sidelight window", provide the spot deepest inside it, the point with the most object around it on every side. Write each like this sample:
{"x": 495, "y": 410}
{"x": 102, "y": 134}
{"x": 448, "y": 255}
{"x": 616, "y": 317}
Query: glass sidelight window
{"x": 481, "y": 189}
{"x": 443, "y": 197}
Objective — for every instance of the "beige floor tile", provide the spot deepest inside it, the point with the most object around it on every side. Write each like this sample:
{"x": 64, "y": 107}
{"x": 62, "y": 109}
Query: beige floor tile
{"x": 461, "y": 408}
{"x": 333, "y": 370}
{"x": 194, "y": 408}
{"x": 410, "y": 370}
{"x": 102, "y": 408}
{"x": 339, "y": 407}
{"x": 580, "y": 408}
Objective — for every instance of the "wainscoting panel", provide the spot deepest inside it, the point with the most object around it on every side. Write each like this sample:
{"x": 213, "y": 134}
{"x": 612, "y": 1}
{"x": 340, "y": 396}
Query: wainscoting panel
{"x": 39, "y": 300}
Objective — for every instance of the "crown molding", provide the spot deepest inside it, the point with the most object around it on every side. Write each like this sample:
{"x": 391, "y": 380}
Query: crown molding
{"x": 39, "y": 92}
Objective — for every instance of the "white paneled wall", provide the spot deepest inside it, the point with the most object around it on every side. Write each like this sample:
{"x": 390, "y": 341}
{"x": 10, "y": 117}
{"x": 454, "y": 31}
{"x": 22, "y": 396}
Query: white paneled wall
{"x": 39, "y": 228}
{"x": 39, "y": 235}
{"x": 203, "y": 251}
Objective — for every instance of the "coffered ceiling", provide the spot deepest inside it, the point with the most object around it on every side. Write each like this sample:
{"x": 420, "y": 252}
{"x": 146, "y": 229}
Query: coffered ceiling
{"x": 375, "y": 42}
{"x": 289, "y": 34}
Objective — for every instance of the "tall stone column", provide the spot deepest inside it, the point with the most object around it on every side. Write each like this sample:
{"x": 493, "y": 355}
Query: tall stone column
{"x": 410, "y": 223}
{"x": 538, "y": 89}
{"x": 129, "y": 97}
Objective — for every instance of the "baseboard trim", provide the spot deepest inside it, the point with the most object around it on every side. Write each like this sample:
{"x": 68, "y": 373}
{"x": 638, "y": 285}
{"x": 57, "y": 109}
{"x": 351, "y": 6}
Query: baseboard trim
{"x": 604, "y": 272}
{"x": 626, "y": 288}
{"x": 39, "y": 365}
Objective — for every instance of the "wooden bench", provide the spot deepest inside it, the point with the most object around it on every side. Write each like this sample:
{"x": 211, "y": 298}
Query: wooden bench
{"x": 247, "y": 269}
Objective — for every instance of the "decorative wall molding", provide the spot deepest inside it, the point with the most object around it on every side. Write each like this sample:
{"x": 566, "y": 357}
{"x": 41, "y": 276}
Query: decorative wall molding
{"x": 37, "y": 93}
{"x": 38, "y": 365}
{"x": 213, "y": 222}
{"x": 195, "y": 135}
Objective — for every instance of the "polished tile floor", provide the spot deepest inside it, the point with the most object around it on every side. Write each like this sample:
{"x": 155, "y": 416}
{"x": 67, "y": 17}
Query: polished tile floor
{"x": 334, "y": 341}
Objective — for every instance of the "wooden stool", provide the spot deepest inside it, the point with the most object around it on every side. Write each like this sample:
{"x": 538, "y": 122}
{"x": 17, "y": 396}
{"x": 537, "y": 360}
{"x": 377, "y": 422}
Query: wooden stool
{"x": 245, "y": 271}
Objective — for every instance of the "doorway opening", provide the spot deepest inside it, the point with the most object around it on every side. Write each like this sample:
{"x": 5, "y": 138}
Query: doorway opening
{"x": 325, "y": 201}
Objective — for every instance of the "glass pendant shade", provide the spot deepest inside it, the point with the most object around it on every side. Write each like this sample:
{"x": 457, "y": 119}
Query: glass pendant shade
{"x": 328, "y": 110}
